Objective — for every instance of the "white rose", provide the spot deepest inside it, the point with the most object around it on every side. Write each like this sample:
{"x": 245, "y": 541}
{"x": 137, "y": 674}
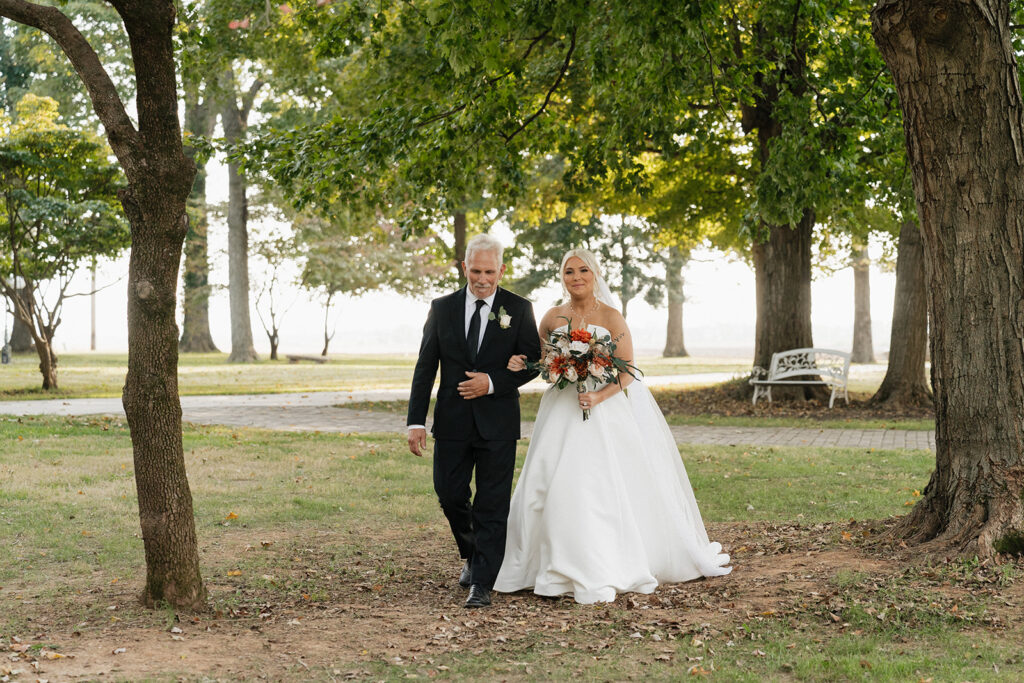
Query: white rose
{"x": 563, "y": 346}
{"x": 505, "y": 321}
{"x": 579, "y": 347}
{"x": 570, "y": 373}
{"x": 596, "y": 371}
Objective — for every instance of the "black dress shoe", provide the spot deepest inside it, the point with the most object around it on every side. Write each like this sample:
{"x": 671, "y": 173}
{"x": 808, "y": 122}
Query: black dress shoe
{"x": 478, "y": 596}
{"x": 464, "y": 575}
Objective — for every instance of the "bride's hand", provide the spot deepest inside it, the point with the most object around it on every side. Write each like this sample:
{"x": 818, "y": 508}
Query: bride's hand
{"x": 517, "y": 363}
{"x": 589, "y": 399}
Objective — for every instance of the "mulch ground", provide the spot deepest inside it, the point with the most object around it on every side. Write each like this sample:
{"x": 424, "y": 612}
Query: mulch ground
{"x": 732, "y": 399}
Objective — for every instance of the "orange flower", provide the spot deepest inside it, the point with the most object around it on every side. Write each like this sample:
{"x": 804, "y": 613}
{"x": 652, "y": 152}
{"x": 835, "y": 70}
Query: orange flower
{"x": 558, "y": 365}
{"x": 580, "y": 335}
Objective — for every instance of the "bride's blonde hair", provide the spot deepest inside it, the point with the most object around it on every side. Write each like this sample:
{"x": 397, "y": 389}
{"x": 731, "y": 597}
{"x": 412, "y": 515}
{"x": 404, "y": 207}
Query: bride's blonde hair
{"x": 584, "y": 255}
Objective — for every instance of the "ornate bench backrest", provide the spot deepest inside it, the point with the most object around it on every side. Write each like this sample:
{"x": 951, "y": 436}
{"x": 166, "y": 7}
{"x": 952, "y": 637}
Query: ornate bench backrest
{"x": 801, "y": 362}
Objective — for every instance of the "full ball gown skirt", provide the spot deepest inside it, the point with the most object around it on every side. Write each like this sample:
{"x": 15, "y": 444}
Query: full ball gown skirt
{"x": 604, "y": 506}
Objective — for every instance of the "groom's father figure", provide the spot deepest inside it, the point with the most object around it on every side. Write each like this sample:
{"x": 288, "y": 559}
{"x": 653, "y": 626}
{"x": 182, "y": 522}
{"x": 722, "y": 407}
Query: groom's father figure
{"x": 471, "y": 334}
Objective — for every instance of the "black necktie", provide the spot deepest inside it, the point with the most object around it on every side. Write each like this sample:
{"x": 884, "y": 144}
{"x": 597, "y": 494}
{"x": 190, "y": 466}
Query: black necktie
{"x": 473, "y": 337}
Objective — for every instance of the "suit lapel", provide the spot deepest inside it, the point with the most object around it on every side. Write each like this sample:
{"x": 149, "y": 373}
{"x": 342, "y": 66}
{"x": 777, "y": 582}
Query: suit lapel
{"x": 492, "y": 325}
{"x": 458, "y": 313}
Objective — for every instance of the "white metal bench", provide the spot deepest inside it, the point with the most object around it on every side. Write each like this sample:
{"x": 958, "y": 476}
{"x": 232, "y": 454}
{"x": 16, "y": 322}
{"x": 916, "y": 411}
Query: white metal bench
{"x": 797, "y": 366}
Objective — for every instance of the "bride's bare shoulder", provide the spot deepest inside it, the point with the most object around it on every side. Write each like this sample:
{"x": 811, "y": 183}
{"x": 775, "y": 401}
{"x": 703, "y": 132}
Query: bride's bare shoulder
{"x": 553, "y": 318}
{"x": 611, "y": 319}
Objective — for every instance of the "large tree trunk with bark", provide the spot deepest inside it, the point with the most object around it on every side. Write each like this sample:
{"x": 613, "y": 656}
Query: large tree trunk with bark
{"x": 195, "y": 327}
{"x": 906, "y": 384}
{"x": 150, "y": 395}
{"x": 674, "y": 346}
{"x": 956, "y": 75}
{"x": 159, "y": 179}
{"x": 234, "y": 119}
{"x": 782, "y": 276}
{"x": 863, "y": 348}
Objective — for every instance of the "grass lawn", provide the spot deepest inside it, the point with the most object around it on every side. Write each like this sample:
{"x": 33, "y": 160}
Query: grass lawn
{"x": 102, "y": 375}
{"x": 327, "y": 558}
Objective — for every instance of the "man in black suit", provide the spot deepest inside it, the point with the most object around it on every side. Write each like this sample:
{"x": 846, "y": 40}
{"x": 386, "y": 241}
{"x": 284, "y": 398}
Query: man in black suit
{"x": 471, "y": 334}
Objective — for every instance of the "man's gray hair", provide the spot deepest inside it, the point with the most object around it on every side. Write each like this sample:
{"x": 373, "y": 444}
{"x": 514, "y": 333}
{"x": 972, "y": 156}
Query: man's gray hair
{"x": 484, "y": 242}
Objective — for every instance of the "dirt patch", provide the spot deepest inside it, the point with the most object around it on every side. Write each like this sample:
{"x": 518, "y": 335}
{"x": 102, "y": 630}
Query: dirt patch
{"x": 327, "y": 610}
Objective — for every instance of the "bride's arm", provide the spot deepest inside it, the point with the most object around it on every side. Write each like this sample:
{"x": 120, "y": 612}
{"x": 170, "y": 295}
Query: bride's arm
{"x": 623, "y": 350}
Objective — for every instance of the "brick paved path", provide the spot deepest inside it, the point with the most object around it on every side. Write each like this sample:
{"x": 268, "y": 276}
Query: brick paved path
{"x": 320, "y": 412}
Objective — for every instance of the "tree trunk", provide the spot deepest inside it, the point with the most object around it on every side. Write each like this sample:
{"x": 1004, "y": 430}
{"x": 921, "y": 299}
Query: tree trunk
{"x": 159, "y": 179}
{"x": 905, "y": 384}
{"x": 150, "y": 398}
{"x": 460, "y": 244}
{"x": 955, "y": 72}
{"x": 21, "y": 333}
{"x": 674, "y": 346}
{"x": 327, "y": 315}
{"x": 863, "y": 348}
{"x": 274, "y": 340}
{"x": 47, "y": 363}
{"x": 234, "y": 120}
{"x": 782, "y": 271}
{"x": 782, "y": 259}
{"x": 195, "y": 327}
{"x": 92, "y": 308}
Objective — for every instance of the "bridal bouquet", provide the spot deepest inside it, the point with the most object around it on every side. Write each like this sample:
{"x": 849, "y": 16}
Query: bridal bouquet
{"x": 574, "y": 356}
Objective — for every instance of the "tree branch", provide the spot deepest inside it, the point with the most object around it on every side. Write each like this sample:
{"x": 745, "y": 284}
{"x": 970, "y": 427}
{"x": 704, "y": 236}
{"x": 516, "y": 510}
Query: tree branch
{"x": 443, "y": 115}
{"x": 489, "y": 82}
{"x": 124, "y": 138}
{"x": 249, "y": 97}
{"x": 711, "y": 69}
{"x": 551, "y": 91}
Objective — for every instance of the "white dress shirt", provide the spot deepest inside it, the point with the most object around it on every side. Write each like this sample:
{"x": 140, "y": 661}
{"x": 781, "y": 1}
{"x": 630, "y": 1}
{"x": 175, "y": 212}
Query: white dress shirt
{"x": 485, "y": 310}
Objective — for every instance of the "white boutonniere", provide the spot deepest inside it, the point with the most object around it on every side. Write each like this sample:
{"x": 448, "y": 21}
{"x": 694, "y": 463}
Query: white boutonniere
{"x": 503, "y": 318}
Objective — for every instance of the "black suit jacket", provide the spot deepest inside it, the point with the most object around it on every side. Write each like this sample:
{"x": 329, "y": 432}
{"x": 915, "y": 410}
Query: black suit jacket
{"x": 444, "y": 345}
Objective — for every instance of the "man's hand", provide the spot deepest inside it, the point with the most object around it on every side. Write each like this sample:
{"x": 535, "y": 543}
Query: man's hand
{"x": 417, "y": 441}
{"x": 474, "y": 387}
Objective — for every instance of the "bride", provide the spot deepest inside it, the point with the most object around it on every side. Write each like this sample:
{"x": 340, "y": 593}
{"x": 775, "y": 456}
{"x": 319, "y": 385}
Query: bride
{"x": 603, "y": 506}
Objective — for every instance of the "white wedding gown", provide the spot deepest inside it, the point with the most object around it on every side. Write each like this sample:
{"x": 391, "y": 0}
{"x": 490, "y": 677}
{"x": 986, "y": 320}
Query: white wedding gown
{"x": 604, "y": 506}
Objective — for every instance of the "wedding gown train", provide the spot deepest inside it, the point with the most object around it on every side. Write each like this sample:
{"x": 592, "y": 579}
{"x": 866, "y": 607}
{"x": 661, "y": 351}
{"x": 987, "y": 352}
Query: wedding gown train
{"x": 604, "y": 506}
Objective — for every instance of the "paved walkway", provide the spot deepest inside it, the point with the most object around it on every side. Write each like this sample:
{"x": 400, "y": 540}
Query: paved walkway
{"x": 324, "y": 412}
